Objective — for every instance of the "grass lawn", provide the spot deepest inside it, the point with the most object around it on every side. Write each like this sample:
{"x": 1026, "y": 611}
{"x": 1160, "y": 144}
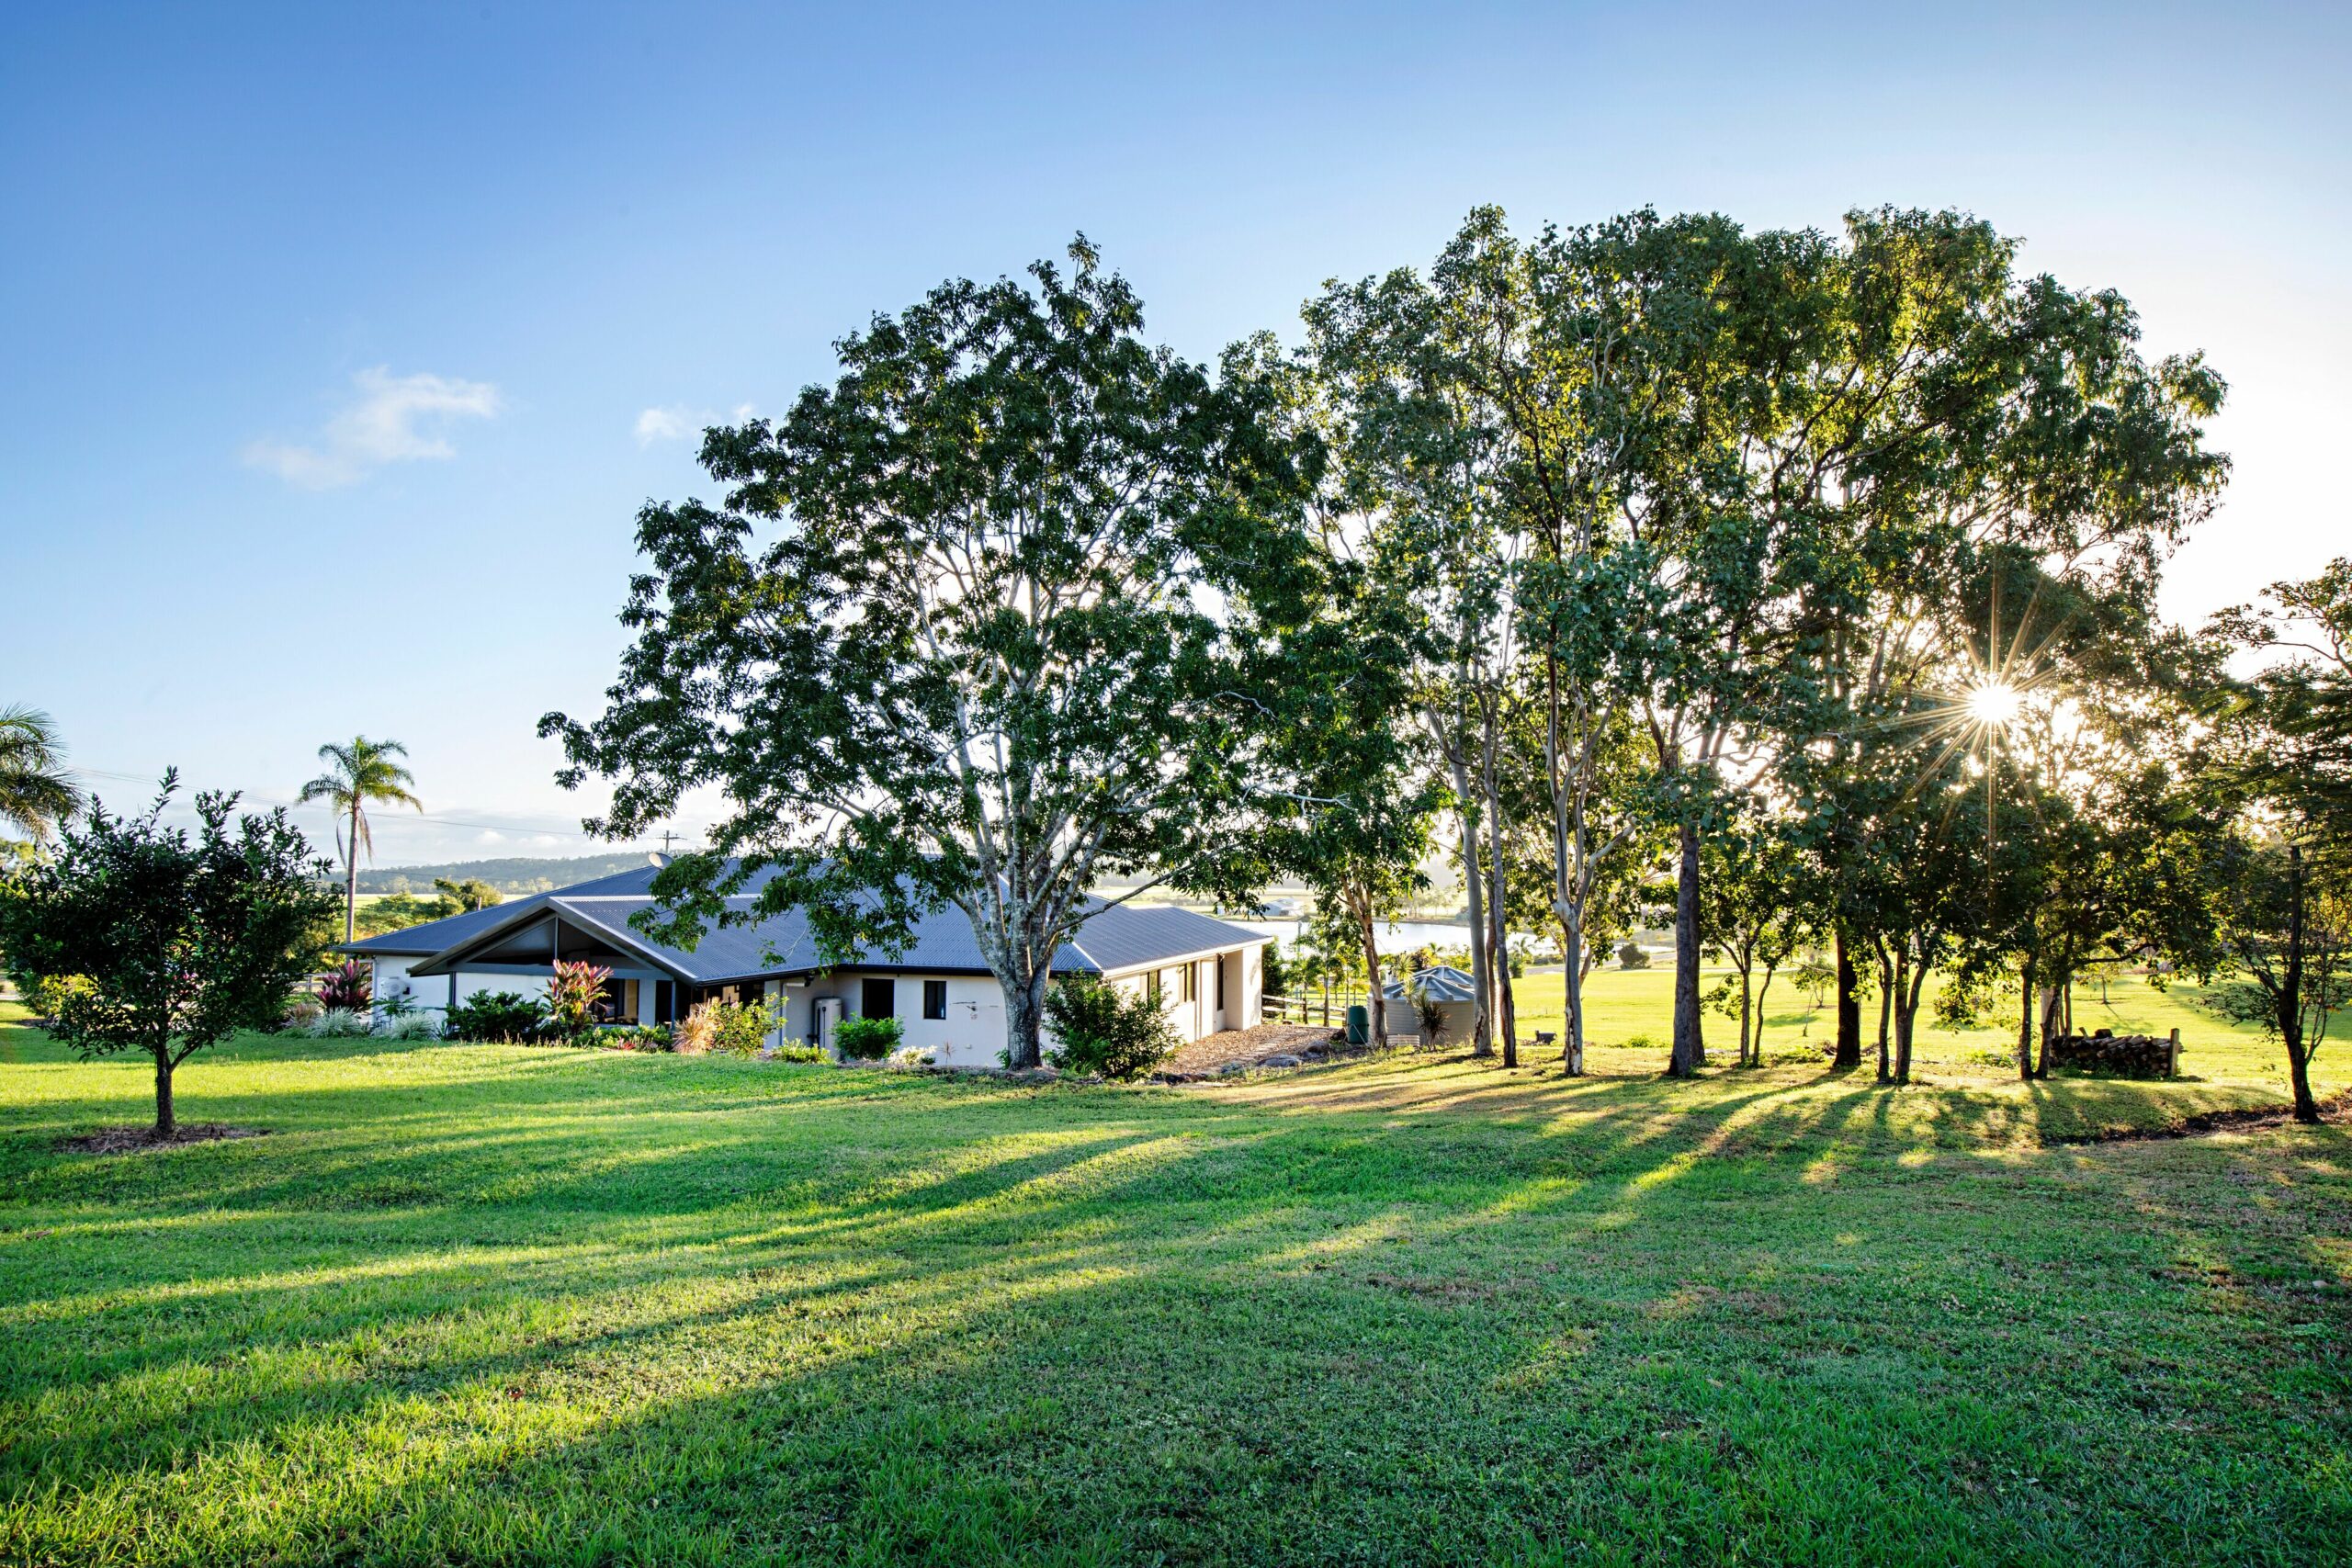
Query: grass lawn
{"x": 506, "y": 1304}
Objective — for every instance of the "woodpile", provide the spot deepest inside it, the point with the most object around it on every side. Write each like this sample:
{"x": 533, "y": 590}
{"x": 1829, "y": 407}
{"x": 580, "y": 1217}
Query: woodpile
{"x": 2131, "y": 1055}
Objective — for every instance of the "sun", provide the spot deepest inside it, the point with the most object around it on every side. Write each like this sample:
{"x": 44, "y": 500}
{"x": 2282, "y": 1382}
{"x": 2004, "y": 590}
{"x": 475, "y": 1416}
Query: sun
{"x": 1994, "y": 703}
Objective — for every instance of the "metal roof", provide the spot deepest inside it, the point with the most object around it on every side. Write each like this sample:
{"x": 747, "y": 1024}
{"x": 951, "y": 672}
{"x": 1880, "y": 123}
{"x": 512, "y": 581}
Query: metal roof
{"x": 1443, "y": 984}
{"x": 1114, "y": 937}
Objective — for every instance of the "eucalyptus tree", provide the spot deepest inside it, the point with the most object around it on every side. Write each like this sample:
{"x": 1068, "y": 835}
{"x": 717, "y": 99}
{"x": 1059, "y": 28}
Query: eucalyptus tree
{"x": 1957, "y": 427}
{"x": 957, "y": 636}
{"x": 1719, "y": 322}
{"x": 360, "y": 773}
{"x": 37, "y": 792}
{"x": 1424, "y": 454}
{"x": 1347, "y": 801}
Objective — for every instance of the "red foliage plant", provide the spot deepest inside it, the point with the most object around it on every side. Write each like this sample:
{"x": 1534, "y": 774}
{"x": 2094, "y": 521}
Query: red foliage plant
{"x": 347, "y": 985}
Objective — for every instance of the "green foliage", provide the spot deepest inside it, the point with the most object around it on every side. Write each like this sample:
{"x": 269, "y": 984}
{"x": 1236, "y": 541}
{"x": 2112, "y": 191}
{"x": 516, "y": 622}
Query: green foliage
{"x": 495, "y": 1016}
{"x": 398, "y": 912}
{"x": 47, "y": 994}
{"x": 359, "y": 773}
{"x": 337, "y": 1023}
{"x": 1054, "y": 503}
{"x": 1099, "y": 1028}
{"x": 182, "y": 940}
{"x": 867, "y": 1039}
{"x": 738, "y": 1028}
{"x": 1632, "y": 956}
{"x": 468, "y": 893}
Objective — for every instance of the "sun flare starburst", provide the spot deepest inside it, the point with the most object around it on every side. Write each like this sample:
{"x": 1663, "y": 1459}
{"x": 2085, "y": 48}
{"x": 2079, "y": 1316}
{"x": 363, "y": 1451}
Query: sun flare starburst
{"x": 1994, "y": 703}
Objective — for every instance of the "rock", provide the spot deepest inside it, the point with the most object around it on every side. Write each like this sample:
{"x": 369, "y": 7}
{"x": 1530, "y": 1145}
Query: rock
{"x": 1281, "y": 1059}
{"x": 1230, "y": 1069}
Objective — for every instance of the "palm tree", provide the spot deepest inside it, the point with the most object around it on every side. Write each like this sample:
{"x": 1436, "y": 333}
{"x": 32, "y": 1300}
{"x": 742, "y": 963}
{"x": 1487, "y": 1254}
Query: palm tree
{"x": 36, "y": 792}
{"x": 357, "y": 773}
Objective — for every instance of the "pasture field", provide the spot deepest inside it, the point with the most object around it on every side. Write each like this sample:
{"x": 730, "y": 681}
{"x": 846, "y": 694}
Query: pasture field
{"x": 513, "y": 1304}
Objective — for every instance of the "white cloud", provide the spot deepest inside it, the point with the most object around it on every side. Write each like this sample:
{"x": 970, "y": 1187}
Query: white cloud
{"x": 682, "y": 424}
{"x": 663, "y": 424}
{"x": 393, "y": 419}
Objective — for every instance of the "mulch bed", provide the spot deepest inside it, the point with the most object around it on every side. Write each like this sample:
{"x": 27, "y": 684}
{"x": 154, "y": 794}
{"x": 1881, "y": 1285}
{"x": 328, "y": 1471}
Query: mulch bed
{"x": 131, "y": 1140}
{"x": 1247, "y": 1047}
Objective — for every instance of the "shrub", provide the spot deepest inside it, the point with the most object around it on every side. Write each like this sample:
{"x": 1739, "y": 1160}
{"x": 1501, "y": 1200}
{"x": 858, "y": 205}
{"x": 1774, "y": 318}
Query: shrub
{"x": 346, "y": 987}
{"x": 575, "y": 997}
{"x": 495, "y": 1016}
{"x": 410, "y": 1025}
{"x": 1100, "y": 1029}
{"x": 867, "y": 1039}
{"x": 639, "y": 1037}
{"x": 696, "y": 1032}
{"x": 799, "y": 1051}
{"x": 739, "y": 1029}
{"x": 1632, "y": 956}
{"x": 302, "y": 1011}
{"x": 338, "y": 1024}
{"x": 911, "y": 1056}
{"x": 1430, "y": 1013}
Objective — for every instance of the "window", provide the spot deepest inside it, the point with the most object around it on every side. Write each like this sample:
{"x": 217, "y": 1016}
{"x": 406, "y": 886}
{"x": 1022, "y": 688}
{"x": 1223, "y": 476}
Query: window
{"x": 878, "y": 997}
{"x": 616, "y": 1001}
{"x": 934, "y": 998}
{"x": 1151, "y": 987}
{"x": 665, "y": 1002}
{"x": 1191, "y": 981}
{"x": 1220, "y": 982}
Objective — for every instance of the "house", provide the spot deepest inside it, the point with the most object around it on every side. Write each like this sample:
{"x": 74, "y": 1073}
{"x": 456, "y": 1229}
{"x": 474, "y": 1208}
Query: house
{"x": 1207, "y": 974}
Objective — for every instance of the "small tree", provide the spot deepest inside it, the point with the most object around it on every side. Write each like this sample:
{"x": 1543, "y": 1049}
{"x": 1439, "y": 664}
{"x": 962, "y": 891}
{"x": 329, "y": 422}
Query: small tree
{"x": 180, "y": 942}
{"x": 2292, "y": 943}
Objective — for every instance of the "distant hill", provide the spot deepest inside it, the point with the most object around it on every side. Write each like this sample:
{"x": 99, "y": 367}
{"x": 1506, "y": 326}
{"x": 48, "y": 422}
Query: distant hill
{"x": 515, "y": 873}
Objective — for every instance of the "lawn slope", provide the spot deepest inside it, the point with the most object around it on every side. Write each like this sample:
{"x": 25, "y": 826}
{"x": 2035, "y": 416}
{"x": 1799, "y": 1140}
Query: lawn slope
{"x": 503, "y": 1304}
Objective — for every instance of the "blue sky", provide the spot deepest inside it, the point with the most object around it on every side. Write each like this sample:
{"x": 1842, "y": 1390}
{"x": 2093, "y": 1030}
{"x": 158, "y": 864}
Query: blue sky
{"x": 342, "y": 344}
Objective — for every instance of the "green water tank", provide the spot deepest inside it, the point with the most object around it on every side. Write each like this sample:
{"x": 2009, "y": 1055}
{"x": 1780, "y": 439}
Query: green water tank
{"x": 1359, "y": 1024}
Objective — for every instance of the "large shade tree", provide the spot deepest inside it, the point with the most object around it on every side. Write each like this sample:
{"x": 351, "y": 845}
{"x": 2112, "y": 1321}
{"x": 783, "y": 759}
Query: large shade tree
{"x": 360, "y": 773}
{"x": 957, "y": 636}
